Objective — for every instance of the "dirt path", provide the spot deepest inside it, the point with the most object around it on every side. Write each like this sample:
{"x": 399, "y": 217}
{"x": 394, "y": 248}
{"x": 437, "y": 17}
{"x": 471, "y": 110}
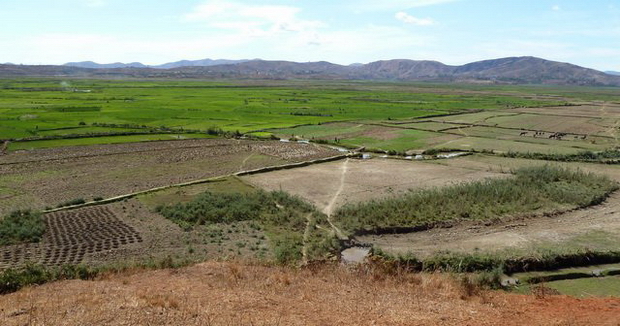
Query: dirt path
{"x": 364, "y": 180}
{"x": 304, "y": 249}
{"x": 245, "y": 161}
{"x": 330, "y": 207}
{"x": 328, "y": 210}
{"x": 596, "y": 227}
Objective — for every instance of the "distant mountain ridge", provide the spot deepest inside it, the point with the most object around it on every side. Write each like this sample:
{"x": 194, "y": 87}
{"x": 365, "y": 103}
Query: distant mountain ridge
{"x": 512, "y": 70}
{"x": 615, "y": 73}
{"x": 94, "y": 65}
{"x": 176, "y": 64}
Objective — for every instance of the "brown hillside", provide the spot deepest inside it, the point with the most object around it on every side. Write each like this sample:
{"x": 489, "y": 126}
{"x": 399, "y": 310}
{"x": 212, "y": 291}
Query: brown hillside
{"x": 216, "y": 293}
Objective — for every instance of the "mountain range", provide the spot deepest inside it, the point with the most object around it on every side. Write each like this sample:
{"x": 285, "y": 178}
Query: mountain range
{"x": 176, "y": 64}
{"x": 512, "y": 70}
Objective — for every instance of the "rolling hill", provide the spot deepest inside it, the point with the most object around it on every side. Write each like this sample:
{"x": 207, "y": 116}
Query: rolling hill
{"x": 176, "y": 64}
{"x": 512, "y": 70}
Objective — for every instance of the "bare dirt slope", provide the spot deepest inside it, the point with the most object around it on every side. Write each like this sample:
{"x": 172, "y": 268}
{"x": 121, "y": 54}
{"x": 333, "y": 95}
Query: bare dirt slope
{"x": 216, "y": 293}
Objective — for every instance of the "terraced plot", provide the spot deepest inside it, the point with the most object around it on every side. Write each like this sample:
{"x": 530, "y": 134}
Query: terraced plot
{"x": 71, "y": 236}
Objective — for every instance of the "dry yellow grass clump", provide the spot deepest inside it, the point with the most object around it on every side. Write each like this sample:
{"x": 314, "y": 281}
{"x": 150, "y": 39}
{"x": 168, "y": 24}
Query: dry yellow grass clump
{"x": 230, "y": 293}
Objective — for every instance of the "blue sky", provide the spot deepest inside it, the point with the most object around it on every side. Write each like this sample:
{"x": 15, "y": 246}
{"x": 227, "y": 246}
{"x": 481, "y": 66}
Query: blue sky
{"x": 455, "y": 32}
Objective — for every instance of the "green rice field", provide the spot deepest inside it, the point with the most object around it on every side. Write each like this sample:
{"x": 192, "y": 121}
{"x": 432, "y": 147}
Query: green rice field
{"x": 41, "y": 113}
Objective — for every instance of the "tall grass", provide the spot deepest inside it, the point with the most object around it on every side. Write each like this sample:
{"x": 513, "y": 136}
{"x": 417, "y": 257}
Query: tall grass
{"x": 533, "y": 189}
{"x": 610, "y": 156}
{"x": 506, "y": 261}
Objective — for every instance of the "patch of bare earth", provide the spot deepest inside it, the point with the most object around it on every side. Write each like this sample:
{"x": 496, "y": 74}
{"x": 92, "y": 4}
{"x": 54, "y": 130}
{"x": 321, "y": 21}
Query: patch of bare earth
{"x": 215, "y": 293}
{"x": 365, "y": 179}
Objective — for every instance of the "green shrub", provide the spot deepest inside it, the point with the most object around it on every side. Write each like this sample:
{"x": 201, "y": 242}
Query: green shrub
{"x": 76, "y": 201}
{"x": 287, "y": 247}
{"x": 13, "y": 279}
{"x": 273, "y": 208}
{"x": 21, "y": 226}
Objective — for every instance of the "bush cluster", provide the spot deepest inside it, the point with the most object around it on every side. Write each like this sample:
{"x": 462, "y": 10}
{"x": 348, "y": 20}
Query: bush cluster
{"x": 274, "y": 208}
{"x": 21, "y": 226}
{"x": 13, "y": 279}
{"x": 75, "y": 201}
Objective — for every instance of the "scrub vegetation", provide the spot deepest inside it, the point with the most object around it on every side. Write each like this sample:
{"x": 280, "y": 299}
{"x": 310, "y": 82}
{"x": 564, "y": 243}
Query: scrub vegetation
{"x": 286, "y": 218}
{"x": 533, "y": 189}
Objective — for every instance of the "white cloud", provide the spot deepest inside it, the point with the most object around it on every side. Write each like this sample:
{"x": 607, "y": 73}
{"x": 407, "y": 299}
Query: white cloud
{"x": 256, "y": 20}
{"x": 406, "y": 18}
{"x": 556, "y": 8}
{"x": 94, "y": 3}
{"x": 344, "y": 46}
{"x": 372, "y": 5}
{"x": 62, "y": 47}
{"x": 423, "y": 3}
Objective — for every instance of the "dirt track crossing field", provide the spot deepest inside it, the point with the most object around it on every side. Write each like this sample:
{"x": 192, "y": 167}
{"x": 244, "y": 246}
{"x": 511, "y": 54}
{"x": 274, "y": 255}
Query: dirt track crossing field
{"x": 365, "y": 179}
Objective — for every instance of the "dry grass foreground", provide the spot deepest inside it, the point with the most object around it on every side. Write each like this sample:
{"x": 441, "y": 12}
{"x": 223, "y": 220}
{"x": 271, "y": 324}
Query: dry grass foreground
{"x": 225, "y": 293}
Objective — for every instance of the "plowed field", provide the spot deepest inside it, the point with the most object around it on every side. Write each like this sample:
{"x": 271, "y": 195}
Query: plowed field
{"x": 36, "y": 179}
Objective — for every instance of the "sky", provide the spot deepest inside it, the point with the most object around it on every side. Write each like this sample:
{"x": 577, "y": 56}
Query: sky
{"x": 455, "y": 32}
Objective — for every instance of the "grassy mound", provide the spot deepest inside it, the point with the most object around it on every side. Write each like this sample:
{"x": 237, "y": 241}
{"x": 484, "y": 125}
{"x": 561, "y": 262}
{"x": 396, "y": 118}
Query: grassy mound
{"x": 21, "y": 226}
{"x": 533, "y": 189}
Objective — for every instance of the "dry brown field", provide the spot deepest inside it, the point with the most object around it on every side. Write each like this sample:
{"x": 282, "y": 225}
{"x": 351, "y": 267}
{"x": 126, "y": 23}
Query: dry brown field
{"x": 48, "y": 177}
{"x": 356, "y": 180}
